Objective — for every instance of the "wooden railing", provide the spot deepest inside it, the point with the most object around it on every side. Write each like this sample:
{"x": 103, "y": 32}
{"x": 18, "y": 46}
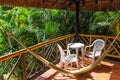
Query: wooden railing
{"x": 114, "y": 51}
{"x": 21, "y": 65}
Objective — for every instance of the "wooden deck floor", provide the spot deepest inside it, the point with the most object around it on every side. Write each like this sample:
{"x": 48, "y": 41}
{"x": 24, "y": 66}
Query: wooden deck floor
{"x": 109, "y": 70}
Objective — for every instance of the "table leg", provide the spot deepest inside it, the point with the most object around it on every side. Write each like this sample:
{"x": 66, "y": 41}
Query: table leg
{"x": 83, "y": 56}
{"x": 77, "y": 62}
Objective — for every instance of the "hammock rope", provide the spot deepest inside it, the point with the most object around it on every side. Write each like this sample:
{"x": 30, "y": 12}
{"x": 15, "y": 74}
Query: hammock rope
{"x": 78, "y": 71}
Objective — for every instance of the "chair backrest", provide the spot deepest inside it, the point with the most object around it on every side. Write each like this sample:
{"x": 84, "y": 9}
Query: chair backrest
{"x": 98, "y": 45}
{"x": 62, "y": 53}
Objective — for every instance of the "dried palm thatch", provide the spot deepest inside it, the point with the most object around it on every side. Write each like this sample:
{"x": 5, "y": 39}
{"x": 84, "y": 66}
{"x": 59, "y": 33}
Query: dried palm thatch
{"x": 85, "y": 5}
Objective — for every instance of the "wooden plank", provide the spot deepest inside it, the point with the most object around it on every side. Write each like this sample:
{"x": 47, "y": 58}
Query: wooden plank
{"x": 101, "y": 72}
{"x": 116, "y": 72}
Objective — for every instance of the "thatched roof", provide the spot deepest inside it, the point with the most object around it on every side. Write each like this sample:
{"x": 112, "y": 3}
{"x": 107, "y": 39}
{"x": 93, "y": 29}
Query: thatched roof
{"x": 85, "y": 5}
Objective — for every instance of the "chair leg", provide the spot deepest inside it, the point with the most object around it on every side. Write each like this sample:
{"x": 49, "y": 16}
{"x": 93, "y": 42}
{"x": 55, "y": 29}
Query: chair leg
{"x": 93, "y": 60}
{"x": 66, "y": 66}
{"x": 77, "y": 64}
{"x": 61, "y": 64}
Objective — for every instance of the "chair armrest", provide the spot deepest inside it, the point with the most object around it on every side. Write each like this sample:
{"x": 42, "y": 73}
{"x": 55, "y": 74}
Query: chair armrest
{"x": 88, "y": 46}
{"x": 68, "y": 51}
{"x": 85, "y": 49}
{"x": 65, "y": 50}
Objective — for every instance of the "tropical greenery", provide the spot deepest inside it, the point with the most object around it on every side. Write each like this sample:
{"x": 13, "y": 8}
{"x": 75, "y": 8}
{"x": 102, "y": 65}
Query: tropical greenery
{"x": 34, "y": 25}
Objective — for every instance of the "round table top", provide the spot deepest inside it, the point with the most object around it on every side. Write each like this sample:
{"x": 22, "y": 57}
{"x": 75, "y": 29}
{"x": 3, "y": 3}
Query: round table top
{"x": 75, "y": 45}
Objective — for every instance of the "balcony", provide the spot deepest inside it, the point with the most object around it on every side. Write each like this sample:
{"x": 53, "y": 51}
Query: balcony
{"x": 22, "y": 65}
{"x": 108, "y": 70}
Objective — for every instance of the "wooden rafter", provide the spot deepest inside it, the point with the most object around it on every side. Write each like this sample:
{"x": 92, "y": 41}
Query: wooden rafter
{"x": 85, "y": 5}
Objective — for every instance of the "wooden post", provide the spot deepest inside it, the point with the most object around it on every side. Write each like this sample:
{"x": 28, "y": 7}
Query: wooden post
{"x": 24, "y": 67}
{"x": 77, "y": 21}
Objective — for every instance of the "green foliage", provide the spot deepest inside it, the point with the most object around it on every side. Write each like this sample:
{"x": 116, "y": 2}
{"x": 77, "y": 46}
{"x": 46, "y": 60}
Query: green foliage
{"x": 50, "y": 29}
{"x": 101, "y": 23}
{"x": 26, "y": 36}
{"x": 85, "y": 18}
{"x": 4, "y": 46}
{"x": 116, "y": 25}
{"x": 33, "y": 25}
{"x": 20, "y": 17}
{"x": 5, "y": 8}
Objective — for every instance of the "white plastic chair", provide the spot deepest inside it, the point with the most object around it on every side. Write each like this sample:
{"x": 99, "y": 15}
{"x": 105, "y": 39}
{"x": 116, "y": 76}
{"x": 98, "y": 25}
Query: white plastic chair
{"x": 98, "y": 46}
{"x": 67, "y": 59}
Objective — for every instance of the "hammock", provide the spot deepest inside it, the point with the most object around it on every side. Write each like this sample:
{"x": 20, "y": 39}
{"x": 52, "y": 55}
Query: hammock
{"x": 78, "y": 71}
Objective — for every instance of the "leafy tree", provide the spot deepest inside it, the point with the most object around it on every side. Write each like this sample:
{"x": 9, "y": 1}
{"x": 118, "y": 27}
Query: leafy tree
{"x": 44, "y": 24}
{"x": 116, "y": 25}
{"x": 101, "y": 23}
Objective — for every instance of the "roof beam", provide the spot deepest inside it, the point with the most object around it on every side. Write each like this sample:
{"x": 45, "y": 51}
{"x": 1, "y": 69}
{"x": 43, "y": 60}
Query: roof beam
{"x": 96, "y": 1}
{"x": 111, "y": 1}
{"x": 83, "y": 2}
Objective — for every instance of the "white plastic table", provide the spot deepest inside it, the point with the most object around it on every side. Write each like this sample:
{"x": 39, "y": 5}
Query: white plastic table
{"x": 76, "y": 46}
